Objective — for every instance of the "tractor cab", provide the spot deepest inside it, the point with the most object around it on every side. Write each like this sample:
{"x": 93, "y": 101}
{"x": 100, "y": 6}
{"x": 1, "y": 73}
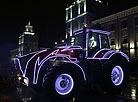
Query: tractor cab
{"x": 91, "y": 40}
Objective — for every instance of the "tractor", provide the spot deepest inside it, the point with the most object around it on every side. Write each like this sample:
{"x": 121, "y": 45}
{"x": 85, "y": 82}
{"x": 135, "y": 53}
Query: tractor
{"x": 85, "y": 60}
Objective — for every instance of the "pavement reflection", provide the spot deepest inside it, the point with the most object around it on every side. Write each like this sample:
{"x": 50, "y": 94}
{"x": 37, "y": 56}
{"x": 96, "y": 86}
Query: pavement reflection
{"x": 26, "y": 94}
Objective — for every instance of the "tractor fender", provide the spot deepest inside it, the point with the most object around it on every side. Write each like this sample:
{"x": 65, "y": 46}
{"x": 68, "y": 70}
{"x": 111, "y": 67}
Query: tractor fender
{"x": 117, "y": 62}
{"x": 73, "y": 67}
{"x": 115, "y": 54}
{"x": 58, "y": 63}
{"x": 78, "y": 67}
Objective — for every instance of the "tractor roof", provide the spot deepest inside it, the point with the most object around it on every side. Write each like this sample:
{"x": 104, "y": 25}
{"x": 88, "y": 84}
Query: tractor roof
{"x": 93, "y": 30}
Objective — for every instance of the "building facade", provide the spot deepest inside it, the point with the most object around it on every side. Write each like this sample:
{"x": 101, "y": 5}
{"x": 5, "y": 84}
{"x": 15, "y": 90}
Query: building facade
{"x": 122, "y": 25}
{"x": 82, "y": 12}
{"x": 28, "y": 41}
{"x": 124, "y": 30}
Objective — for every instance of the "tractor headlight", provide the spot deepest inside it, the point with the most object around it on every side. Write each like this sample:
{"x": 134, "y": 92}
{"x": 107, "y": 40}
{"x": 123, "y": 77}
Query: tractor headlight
{"x": 25, "y": 81}
{"x": 19, "y": 78}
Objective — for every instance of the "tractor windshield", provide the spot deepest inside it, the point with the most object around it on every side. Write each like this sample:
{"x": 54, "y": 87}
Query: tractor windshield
{"x": 77, "y": 40}
{"x": 96, "y": 39}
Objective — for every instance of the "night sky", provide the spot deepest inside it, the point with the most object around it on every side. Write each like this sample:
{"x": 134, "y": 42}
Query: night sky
{"x": 47, "y": 17}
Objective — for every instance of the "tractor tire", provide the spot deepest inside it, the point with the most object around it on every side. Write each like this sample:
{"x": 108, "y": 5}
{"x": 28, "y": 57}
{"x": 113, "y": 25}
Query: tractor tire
{"x": 116, "y": 76}
{"x": 61, "y": 83}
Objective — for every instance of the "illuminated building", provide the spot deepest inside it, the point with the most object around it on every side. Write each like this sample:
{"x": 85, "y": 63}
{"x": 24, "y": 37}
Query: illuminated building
{"x": 122, "y": 25}
{"x": 124, "y": 30}
{"x": 28, "y": 41}
{"x": 82, "y": 12}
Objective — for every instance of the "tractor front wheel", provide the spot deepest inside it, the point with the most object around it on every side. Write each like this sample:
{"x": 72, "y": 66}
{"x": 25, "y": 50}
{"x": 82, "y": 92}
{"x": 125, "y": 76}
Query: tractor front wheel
{"x": 62, "y": 84}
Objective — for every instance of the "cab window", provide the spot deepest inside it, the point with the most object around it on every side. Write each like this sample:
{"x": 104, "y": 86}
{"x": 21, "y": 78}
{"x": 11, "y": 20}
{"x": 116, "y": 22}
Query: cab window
{"x": 104, "y": 41}
{"x": 93, "y": 43}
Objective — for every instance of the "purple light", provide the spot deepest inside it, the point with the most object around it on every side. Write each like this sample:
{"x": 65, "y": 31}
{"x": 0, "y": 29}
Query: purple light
{"x": 54, "y": 54}
{"x": 64, "y": 86}
{"x": 17, "y": 59}
{"x": 117, "y": 75}
{"x": 100, "y": 31}
{"x": 69, "y": 61}
{"x": 111, "y": 53}
{"x": 100, "y": 41}
{"x": 39, "y": 63}
{"x": 122, "y": 54}
{"x": 108, "y": 53}
{"x": 100, "y": 51}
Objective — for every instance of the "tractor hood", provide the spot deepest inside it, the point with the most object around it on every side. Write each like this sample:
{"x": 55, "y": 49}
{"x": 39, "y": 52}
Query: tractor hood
{"x": 73, "y": 52}
{"x": 36, "y": 59}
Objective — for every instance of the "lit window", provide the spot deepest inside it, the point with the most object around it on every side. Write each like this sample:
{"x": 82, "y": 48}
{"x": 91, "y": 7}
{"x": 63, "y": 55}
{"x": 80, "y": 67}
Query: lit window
{"x": 104, "y": 41}
{"x": 93, "y": 42}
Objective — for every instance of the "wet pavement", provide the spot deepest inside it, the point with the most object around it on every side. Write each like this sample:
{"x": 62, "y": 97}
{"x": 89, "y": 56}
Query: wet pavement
{"x": 12, "y": 93}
